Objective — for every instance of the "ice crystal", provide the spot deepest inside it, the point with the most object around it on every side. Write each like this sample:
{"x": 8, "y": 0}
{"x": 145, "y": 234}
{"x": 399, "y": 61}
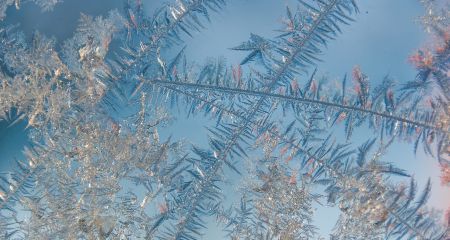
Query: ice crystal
{"x": 97, "y": 167}
{"x": 45, "y": 5}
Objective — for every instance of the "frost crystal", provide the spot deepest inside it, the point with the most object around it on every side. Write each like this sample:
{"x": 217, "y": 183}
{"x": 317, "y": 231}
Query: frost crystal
{"x": 99, "y": 167}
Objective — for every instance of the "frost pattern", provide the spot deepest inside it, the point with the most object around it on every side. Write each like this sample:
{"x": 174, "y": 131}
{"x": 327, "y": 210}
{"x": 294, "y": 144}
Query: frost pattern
{"x": 45, "y": 5}
{"x": 98, "y": 169}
